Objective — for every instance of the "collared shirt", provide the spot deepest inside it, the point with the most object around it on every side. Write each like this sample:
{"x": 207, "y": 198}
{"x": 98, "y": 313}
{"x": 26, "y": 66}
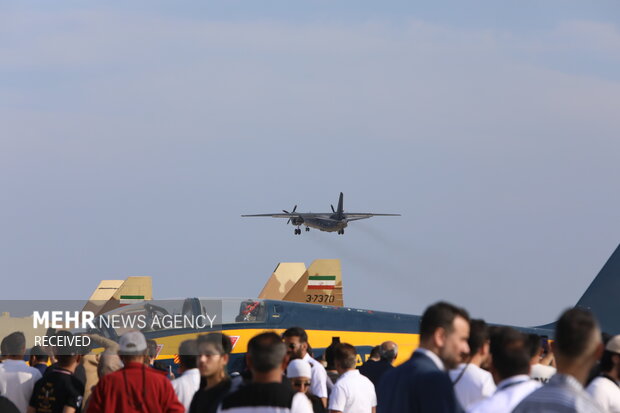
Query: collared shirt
{"x": 508, "y": 394}
{"x": 606, "y": 392}
{"x": 17, "y": 379}
{"x": 318, "y": 381}
{"x": 563, "y": 394}
{"x": 542, "y": 373}
{"x": 186, "y": 386}
{"x": 353, "y": 393}
{"x": 474, "y": 384}
{"x": 266, "y": 398}
{"x": 432, "y": 356}
{"x": 134, "y": 388}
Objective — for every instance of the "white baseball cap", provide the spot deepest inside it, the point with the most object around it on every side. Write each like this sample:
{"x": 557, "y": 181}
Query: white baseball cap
{"x": 298, "y": 368}
{"x": 132, "y": 343}
{"x": 613, "y": 344}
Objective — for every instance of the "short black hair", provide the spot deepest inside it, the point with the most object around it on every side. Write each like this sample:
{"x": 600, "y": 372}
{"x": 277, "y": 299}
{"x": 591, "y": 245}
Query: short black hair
{"x": 607, "y": 363}
{"x": 151, "y": 348}
{"x": 39, "y": 354}
{"x": 510, "y": 352}
{"x": 375, "y": 352}
{"x": 345, "y": 355}
{"x": 188, "y": 354}
{"x": 574, "y": 332}
{"x": 478, "y": 335}
{"x": 534, "y": 344}
{"x": 67, "y": 348}
{"x": 440, "y": 315}
{"x": 328, "y": 355}
{"x": 220, "y": 341}
{"x": 266, "y": 351}
{"x": 14, "y": 344}
{"x": 296, "y": 332}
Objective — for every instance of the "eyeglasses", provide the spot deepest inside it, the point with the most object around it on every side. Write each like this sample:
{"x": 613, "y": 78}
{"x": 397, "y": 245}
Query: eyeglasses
{"x": 301, "y": 383}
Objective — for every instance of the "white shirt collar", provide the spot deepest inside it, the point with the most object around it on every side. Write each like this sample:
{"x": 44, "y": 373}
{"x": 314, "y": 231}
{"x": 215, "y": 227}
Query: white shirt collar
{"x": 432, "y": 356}
{"x": 512, "y": 380}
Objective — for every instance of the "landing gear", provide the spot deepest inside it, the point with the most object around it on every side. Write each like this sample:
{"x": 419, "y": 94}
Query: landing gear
{"x": 297, "y": 231}
{"x": 307, "y": 229}
{"x": 341, "y": 232}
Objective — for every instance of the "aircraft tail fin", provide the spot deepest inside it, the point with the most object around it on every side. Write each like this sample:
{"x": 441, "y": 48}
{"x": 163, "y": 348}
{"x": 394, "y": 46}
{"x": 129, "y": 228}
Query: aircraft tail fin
{"x": 601, "y": 297}
{"x": 283, "y": 279}
{"x": 340, "y": 210}
{"x": 321, "y": 283}
{"x": 111, "y": 294}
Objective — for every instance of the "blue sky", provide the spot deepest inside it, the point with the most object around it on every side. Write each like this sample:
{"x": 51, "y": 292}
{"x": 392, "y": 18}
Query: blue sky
{"x": 135, "y": 135}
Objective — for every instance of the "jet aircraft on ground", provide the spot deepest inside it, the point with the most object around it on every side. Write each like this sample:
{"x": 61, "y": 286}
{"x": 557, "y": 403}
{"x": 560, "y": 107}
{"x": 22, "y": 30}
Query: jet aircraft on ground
{"x": 312, "y": 298}
{"x": 337, "y": 220}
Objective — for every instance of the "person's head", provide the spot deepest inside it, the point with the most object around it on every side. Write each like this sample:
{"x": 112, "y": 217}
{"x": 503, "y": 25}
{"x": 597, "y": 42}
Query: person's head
{"x": 188, "y": 355}
{"x": 478, "y": 342}
{"x": 299, "y": 373}
{"x": 38, "y": 356}
{"x": 13, "y": 346}
{"x": 509, "y": 353}
{"x": 328, "y": 355}
{"x": 296, "y": 341}
{"x": 214, "y": 352}
{"x": 610, "y": 362}
{"x": 444, "y": 330}
{"x": 375, "y": 353}
{"x": 151, "y": 353}
{"x": 577, "y": 345}
{"x": 132, "y": 347}
{"x": 388, "y": 351}
{"x": 535, "y": 348}
{"x": 345, "y": 357}
{"x": 266, "y": 354}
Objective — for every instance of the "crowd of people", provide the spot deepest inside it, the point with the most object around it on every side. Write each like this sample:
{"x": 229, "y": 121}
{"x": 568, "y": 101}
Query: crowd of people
{"x": 461, "y": 365}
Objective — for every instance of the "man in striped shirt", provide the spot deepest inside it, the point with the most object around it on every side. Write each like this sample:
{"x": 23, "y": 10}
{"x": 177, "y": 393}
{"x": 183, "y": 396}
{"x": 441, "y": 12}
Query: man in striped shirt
{"x": 577, "y": 347}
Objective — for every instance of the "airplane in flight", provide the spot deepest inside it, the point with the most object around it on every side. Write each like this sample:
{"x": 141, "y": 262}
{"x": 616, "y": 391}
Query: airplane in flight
{"x": 337, "y": 220}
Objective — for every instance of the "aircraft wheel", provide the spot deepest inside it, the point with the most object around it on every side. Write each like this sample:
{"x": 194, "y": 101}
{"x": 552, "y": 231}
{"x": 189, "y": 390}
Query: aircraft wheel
{"x": 307, "y": 229}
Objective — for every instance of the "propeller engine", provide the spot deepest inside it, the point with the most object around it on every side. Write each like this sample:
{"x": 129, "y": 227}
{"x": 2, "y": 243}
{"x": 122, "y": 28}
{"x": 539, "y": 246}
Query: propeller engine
{"x": 295, "y": 220}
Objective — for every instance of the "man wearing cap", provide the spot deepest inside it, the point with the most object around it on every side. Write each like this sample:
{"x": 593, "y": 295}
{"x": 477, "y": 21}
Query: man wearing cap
{"x": 605, "y": 388}
{"x": 299, "y": 373}
{"x": 135, "y": 387}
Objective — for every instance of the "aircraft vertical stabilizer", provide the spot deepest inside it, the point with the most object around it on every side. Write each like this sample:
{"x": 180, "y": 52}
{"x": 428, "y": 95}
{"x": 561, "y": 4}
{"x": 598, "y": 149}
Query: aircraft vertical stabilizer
{"x": 320, "y": 284}
{"x": 284, "y": 277}
{"x": 111, "y": 294}
{"x": 601, "y": 297}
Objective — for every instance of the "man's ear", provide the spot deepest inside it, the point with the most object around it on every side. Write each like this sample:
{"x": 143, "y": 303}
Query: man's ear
{"x": 226, "y": 357}
{"x": 439, "y": 337}
{"x": 304, "y": 346}
{"x": 600, "y": 348}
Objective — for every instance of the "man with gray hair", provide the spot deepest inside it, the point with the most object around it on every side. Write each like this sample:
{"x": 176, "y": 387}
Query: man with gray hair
{"x": 352, "y": 393}
{"x": 374, "y": 370}
{"x": 267, "y": 359}
{"x": 135, "y": 387}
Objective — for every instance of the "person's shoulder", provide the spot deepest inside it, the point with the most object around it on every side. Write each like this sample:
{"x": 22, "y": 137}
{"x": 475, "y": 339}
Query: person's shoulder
{"x": 260, "y": 394}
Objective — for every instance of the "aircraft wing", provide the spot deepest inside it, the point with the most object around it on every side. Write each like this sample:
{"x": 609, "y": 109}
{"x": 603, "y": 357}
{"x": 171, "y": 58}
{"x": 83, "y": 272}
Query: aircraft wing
{"x": 291, "y": 215}
{"x": 355, "y": 217}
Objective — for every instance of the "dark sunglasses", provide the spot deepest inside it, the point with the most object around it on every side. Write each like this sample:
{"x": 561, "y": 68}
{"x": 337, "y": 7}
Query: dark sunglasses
{"x": 300, "y": 383}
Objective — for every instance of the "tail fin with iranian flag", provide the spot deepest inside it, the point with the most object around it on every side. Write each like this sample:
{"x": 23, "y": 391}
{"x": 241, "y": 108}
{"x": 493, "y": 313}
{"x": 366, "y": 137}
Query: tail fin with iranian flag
{"x": 321, "y": 283}
{"x": 111, "y": 294}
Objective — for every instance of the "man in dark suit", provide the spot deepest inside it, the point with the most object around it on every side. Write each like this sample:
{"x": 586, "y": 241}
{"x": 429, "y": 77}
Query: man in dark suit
{"x": 422, "y": 384}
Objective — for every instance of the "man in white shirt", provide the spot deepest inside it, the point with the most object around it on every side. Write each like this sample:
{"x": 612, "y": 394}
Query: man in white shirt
{"x": 17, "y": 379}
{"x": 538, "y": 371}
{"x": 471, "y": 382}
{"x": 605, "y": 388}
{"x": 353, "y": 392}
{"x": 296, "y": 340}
{"x": 510, "y": 366}
{"x": 188, "y": 384}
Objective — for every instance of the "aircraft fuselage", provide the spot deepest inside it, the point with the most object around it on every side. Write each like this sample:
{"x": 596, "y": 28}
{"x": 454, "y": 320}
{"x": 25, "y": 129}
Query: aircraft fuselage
{"x": 327, "y": 225}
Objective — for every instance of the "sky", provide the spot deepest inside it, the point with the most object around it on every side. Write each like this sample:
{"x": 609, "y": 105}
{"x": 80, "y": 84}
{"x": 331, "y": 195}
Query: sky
{"x": 135, "y": 135}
